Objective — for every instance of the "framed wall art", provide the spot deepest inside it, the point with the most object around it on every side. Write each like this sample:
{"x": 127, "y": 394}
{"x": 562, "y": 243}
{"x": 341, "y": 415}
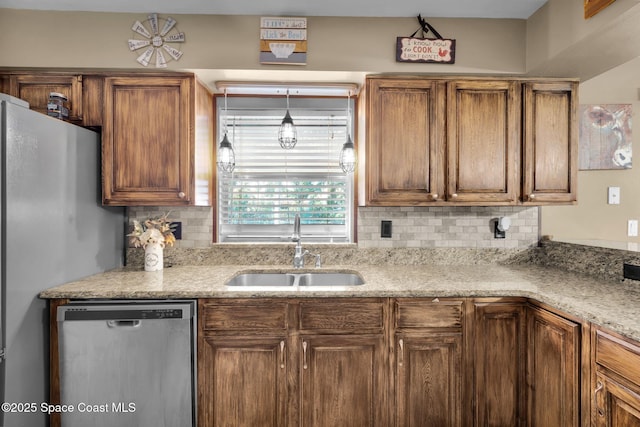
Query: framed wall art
{"x": 605, "y": 136}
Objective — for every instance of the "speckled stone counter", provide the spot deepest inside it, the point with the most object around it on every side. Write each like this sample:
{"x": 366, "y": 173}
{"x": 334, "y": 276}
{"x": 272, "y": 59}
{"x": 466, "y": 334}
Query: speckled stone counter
{"x": 610, "y": 303}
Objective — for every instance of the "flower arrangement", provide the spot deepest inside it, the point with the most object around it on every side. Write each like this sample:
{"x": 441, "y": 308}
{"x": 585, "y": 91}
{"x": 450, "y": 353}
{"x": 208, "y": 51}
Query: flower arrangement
{"x": 152, "y": 230}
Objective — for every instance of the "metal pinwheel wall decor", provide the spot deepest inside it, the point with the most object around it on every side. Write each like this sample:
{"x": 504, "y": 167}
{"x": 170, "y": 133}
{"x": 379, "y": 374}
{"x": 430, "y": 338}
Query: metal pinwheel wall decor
{"x": 158, "y": 37}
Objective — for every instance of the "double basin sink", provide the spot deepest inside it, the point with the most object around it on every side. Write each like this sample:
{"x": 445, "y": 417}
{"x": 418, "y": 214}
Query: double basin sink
{"x": 290, "y": 279}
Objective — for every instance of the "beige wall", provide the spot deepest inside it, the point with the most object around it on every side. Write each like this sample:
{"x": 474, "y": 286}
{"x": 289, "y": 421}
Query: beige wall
{"x": 592, "y": 218}
{"x": 99, "y": 40}
{"x": 555, "y": 41}
{"x": 561, "y": 43}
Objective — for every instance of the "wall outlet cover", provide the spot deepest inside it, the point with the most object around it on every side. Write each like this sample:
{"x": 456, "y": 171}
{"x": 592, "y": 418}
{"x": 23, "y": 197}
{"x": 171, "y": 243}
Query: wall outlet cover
{"x": 385, "y": 229}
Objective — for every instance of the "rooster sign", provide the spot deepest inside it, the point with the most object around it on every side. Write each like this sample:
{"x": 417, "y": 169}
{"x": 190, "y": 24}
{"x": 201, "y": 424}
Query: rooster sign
{"x": 414, "y": 49}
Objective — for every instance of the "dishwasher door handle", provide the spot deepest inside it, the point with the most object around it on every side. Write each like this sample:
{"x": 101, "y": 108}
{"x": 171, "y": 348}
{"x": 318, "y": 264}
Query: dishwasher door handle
{"x": 124, "y": 323}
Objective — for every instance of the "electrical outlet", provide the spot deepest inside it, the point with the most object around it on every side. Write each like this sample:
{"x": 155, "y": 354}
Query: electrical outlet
{"x": 632, "y": 228}
{"x": 385, "y": 229}
{"x": 176, "y": 227}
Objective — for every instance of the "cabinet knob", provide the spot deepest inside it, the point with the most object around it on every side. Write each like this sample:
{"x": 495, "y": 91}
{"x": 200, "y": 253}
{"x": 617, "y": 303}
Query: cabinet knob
{"x": 454, "y": 195}
{"x": 532, "y": 196}
{"x": 434, "y": 196}
{"x": 181, "y": 195}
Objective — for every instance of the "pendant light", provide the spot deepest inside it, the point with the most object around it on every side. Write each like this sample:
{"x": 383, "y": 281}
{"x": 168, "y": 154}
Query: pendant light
{"x": 226, "y": 158}
{"x": 348, "y": 152}
{"x": 287, "y": 133}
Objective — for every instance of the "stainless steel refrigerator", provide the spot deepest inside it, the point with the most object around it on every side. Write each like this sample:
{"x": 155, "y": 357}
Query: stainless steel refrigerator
{"x": 53, "y": 229}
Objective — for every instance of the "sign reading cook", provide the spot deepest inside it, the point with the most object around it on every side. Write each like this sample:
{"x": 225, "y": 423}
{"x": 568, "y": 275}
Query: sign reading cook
{"x": 413, "y": 49}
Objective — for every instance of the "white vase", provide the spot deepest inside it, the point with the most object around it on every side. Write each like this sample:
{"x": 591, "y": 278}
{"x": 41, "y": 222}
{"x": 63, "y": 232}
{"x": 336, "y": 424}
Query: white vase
{"x": 153, "y": 257}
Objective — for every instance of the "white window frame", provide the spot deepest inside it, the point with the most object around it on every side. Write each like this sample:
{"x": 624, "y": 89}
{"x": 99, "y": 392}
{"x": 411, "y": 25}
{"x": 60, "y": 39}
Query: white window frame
{"x": 281, "y": 229}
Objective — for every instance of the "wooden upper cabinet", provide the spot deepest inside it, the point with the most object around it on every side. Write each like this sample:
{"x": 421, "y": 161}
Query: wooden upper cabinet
{"x": 405, "y": 146}
{"x": 483, "y": 141}
{"x": 470, "y": 141}
{"x": 148, "y": 142}
{"x": 550, "y": 142}
{"x": 35, "y": 89}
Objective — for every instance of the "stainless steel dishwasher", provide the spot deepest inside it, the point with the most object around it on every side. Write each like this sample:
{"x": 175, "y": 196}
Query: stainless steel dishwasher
{"x": 127, "y": 364}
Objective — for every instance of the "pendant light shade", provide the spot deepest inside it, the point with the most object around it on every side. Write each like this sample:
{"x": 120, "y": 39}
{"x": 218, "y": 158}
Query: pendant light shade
{"x": 348, "y": 152}
{"x": 348, "y": 156}
{"x": 287, "y": 135}
{"x": 226, "y": 158}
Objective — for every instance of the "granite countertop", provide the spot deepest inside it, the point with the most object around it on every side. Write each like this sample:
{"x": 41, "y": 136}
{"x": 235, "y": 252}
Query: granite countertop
{"x": 609, "y": 303}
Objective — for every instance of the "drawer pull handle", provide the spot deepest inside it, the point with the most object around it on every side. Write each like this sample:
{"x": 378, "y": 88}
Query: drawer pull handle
{"x": 599, "y": 388}
{"x": 401, "y": 355}
{"x": 304, "y": 355}
{"x": 282, "y": 354}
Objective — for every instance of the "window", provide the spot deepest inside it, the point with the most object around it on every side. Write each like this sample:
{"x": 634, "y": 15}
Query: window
{"x": 258, "y": 201}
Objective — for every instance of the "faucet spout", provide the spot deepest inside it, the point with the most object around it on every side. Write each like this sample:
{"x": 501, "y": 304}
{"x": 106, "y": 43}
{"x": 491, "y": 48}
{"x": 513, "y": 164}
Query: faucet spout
{"x": 298, "y": 255}
{"x": 296, "y": 229}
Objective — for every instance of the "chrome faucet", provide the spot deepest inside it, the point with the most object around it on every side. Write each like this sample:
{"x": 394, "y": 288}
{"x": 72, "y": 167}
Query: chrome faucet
{"x": 298, "y": 255}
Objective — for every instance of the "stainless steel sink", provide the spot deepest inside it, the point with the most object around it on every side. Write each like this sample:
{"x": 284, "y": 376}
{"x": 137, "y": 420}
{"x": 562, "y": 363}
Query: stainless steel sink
{"x": 262, "y": 279}
{"x": 297, "y": 279}
{"x": 330, "y": 279}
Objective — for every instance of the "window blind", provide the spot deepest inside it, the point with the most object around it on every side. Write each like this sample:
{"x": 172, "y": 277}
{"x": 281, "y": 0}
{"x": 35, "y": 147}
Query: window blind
{"x": 270, "y": 185}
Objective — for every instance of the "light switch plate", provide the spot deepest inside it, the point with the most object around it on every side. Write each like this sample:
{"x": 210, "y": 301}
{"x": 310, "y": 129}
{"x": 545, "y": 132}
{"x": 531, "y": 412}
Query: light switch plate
{"x": 632, "y": 228}
{"x": 614, "y": 196}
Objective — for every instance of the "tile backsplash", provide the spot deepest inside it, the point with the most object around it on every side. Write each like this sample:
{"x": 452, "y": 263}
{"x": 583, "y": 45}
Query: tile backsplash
{"x": 412, "y": 227}
{"x": 447, "y": 227}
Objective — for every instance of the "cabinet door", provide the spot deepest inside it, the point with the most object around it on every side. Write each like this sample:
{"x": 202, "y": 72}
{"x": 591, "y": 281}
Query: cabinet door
{"x": 550, "y": 143}
{"x": 499, "y": 358}
{"x": 428, "y": 380}
{"x": 342, "y": 381}
{"x": 616, "y": 405}
{"x": 242, "y": 381}
{"x": 405, "y": 144}
{"x": 483, "y": 137}
{"x": 35, "y": 89}
{"x": 553, "y": 370}
{"x": 147, "y": 141}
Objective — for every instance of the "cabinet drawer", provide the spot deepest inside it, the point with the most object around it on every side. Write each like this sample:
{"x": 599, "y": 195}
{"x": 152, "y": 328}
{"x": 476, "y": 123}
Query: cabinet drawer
{"x": 347, "y": 315}
{"x": 618, "y": 355}
{"x": 431, "y": 313}
{"x": 249, "y": 316}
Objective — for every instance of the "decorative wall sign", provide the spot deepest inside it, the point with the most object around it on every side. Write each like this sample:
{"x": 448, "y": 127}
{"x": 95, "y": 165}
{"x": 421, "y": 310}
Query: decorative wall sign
{"x": 591, "y": 7}
{"x": 283, "y": 40}
{"x": 414, "y": 49}
{"x": 605, "y": 136}
{"x": 158, "y": 35}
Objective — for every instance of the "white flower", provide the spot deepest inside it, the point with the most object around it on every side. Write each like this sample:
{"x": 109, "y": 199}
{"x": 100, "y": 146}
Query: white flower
{"x": 150, "y": 236}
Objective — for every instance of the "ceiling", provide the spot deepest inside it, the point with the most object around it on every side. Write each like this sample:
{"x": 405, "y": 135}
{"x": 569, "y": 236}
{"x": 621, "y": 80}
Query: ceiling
{"x": 520, "y": 9}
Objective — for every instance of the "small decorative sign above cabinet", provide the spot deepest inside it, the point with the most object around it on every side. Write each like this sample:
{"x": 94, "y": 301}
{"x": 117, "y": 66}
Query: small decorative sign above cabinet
{"x": 414, "y": 49}
{"x": 283, "y": 41}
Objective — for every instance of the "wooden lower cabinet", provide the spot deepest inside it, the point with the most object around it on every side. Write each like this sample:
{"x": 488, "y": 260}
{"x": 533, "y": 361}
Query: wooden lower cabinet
{"x": 553, "y": 370}
{"x": 617, "y": 405}
{"x": 402, "y": 362}
{"x": 499, "y": 362}
{"x": 428, "y": 364}
{"x": 245, "y": 381}
{"x": 617, "y": 381}
{"x": 342, "y": 381}
{"x": 428, "y": 380}
{"x": 292, "y": 362}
